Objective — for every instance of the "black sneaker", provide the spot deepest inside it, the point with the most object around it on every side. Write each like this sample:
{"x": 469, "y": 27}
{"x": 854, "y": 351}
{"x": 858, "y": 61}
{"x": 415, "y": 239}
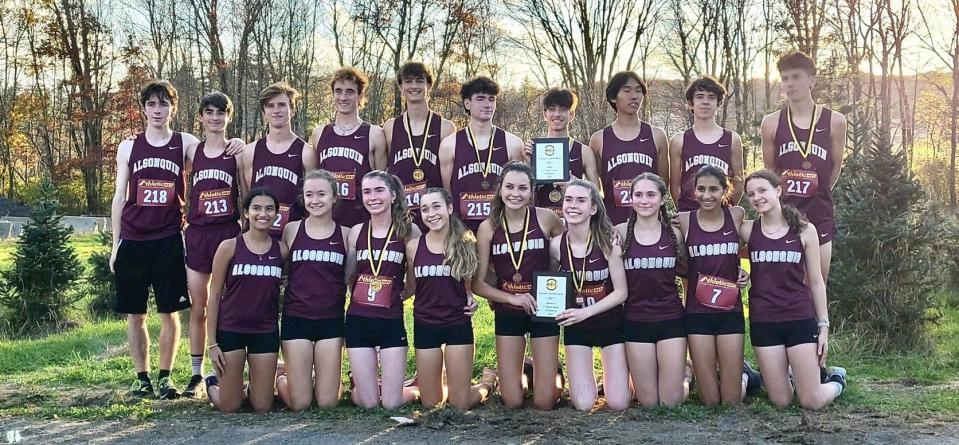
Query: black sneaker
{"x": 754, "y": 381}
{"x": 194, "y": 387}
{"x": 166, "y": 390}
{"x": 142, "y": 388}
{"x": 211, "y": 380}
{"x": 838, "y": 375}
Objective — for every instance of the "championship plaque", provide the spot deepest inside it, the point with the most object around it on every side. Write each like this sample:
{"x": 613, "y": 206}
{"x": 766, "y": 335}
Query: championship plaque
{"x": 551, "y": 160}
{"x": 551, "y": 290}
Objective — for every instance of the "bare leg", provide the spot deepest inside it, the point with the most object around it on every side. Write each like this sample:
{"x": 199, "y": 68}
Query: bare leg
{"x": 730, "y": 353}
{"x": 169, "y": 339}
{"x": 328, "y": 367}
{"x": 429, "y": 372}
{"x": 774, "y": 363}
{"x": 702, "y": 349}
{"x": 198, "y": 283}
{"x": 510, "y": 351}
{"x": 363, "y": 365}
{"x": 671, "y": 355}
{"x": 393, "y": 362}
{"x": 139, "y": 340}
{"x": 296, "y": 387}
{"x": 615, "y": 377}
{"x": 262, "y": 378}
{"x": 463, "y": 395}
{"x": 227, "y": 396}
{"x": 644, "y": 372}
{"x": 582, "y": 380}
{"x": 811, "y": 392}
{"x": 546, "y": 383}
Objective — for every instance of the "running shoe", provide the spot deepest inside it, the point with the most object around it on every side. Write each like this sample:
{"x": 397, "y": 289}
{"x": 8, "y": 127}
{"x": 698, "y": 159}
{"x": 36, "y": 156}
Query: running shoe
{"x": 412, "y": 381}
{"x": 166, "y": 390}
{"x": 211, "y": 380}
{"x": 194, "y": 387}
{"x": 754, "y": 381}
{"x": 490, "y": 378}
{"x": 141, "y": 388}
{"x": 838, "y": 375}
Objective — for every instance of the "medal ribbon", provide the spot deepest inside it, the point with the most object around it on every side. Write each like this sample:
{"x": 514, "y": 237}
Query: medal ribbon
{"x": 375, "y": 268}
{"x": 489, "y": 155}
{"x": 417, "y": 154}
{"x": 579, "y": 278}
{"x": 803, "y": 150}
{"x": 522, "y": 246}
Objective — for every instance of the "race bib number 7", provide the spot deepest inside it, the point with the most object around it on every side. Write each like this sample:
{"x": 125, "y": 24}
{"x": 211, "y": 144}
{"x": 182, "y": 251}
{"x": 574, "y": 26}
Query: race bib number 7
{"x": 475, "y": 205}
{"x": 622, "y": 188}
{"x": 804, "y": 183}
{"x": 716, "y": 293}
{"x": 155, "y": 193}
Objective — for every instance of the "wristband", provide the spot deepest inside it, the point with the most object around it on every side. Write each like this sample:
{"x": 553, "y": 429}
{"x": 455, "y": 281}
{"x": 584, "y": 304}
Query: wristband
{"x": 215, "y": 345}
{"x": 823, "y": 323}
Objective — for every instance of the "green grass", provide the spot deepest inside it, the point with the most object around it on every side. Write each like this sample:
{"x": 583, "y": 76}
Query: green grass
{"x": 84, "y": 373}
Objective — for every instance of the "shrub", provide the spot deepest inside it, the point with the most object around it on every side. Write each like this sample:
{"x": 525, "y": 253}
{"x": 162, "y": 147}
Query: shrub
{"x": 35, "y": 291}
{"x": 886, "y": 267}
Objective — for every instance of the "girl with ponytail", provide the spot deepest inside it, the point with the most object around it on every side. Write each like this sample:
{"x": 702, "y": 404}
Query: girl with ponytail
{"x": 374, "y": 317}
{"x": 715, "y": 326}
{"x": 442, "y": 262}
{"x": 595, "y": 314}
{"x": 654, "y": 330}
{"x": 788, "y": 312}
{"x": 513, "y": 244}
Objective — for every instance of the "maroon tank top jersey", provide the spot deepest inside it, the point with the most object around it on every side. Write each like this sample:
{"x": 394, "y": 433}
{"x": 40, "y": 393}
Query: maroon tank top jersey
{"x": 550, "y": 196}
{"x": 440, "y": 298}
{"x": 806, "y": 178}
{"x": 534, "y": 259}
{"x": 250, "y": 303}
{"x": 416, "y": 163}
{"x": 651, "y": 280}
{"x": 378, "y": 293}
{"x": 213, "y": 189}
{"x": 154, "y": 191}
{"x": 282, "y": 174}
{"x": 697, "y": 154}
{"x": 778, "y": 272}
{"x": 472, "y": 201}
{"x": 316, "y": 288}
{"x": 713, "y": 267}
{"x": 594, "y": 271}
{"x": 348, "y": 158}
{"x": 622, "y": 161}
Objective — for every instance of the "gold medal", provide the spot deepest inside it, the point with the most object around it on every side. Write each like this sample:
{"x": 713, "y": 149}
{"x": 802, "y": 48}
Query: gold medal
{"x": 488, "y": 165}
{"x": 418, "y": 152}
{"x": 517, "y": 262}
{"x": 806, "y": 165}
{"x": 579, "y": 276}
{"x": 555, "y": 196}
{"x": 376, "y": 285}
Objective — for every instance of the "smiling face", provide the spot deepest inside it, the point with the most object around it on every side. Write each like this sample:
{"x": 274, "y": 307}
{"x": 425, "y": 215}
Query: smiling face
{"x": 797, "y": 83}
{"x": 415, "y": 89}
{"x": 481, "y": 106}
{"x": 435, "y": 211}
{"x": 578, "y": 206}
{"x": 647, "y": 198}
{"x": 158, "y": 111}
{"x": 213, "y": 119}
{"x": 318, "y": 196}
{"x": 377, "y": 196}
{"x": 630, "y": 97}
{"x": 346, "y": 96}
{"x": 515, "y": 190}
{"x": 261, "y": 213}
{"x": 704, "y": 104}
{"x": 558, "y": 117}
{"x": 709, "y": 192}
{"x": 762, "y": 195}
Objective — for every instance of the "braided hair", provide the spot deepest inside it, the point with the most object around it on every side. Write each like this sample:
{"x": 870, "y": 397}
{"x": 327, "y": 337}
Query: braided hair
{"x": 665, "y": 217}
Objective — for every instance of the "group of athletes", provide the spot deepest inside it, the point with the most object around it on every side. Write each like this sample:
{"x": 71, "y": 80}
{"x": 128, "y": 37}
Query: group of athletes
{"x": 421, "y": 208}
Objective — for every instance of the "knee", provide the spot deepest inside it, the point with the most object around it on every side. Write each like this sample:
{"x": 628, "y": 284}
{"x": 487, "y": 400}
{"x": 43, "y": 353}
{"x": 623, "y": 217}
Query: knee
{"x": 648, "y": 401}
{"x": 512, "y": 400}
{"x": 137, "y": 319}
{"x": 781, "y": 400}
{"x": 709, "y": 400}
{"x": 262, "y": 407}
{"x": 367, "y": 402}
{"x": 672, "y": 400}
{"x": 170, "y": 319}
{"x": 544, "y": 404}
{"x": 811, "y": 403}
{"x": 298, "y": 405}
{"x": 460, "y": 403}
{"x": 583, "y": 403}
{"x": 229, "y": 407}
{"x": 618, "y": 403}
{"x": 393, "y": 404}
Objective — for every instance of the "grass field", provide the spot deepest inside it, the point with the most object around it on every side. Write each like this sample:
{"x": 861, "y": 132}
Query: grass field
{"x": 84, "y": 373}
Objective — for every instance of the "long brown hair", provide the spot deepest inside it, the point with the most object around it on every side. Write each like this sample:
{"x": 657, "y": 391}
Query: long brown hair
{"x": 400, "y": 213}
{"x": 460, "y": 242}
{"x": 664, "y": 216}
{"x": 794, "y": 218}
{"x": 599, "y": 225}
{"x": 498, "y": 207}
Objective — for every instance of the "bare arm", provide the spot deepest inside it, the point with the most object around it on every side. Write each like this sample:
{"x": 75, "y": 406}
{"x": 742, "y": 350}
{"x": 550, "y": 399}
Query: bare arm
{"x": 676, "y": 167}
{"x": 410, "y": 285}
{"x": 817, "y": 286}
{"x": 221, "y": 264}
{"x": 596, "y": 147}
{"x": 736, "y": 167}
{"x": 484, "y": 239}
{"x": 768, "y": 132}
{"x": 516, "y": 148}
{"x": 309, "y": 158}
{"x": 377, "y": 148}
{"x": 246, "y": 169}
{"x": 447, "y": 152}
{"x": 549, "y": 223}
{"x": 662, "y": 153}
{"x": 119, "y": 195}
{"x": 838, "y": 136}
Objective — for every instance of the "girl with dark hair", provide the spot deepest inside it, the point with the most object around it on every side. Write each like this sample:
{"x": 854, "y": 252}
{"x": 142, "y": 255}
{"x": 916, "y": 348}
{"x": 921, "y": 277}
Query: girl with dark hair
{"x": 513, "y": 241}
{"x": 654, "y": 330}
{"x": 715, "y": 326}
{"x": 312, "y": 333}
{"x": 628, "y": 146}
{"x": 589, "y": 252}
{"x": 442, "y": 262}
{"x": 788, "y": 313}
{"x": 375, "y": 333}
{"x": 243, "y": 309}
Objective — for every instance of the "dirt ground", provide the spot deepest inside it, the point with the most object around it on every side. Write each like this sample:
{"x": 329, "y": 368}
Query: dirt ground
{"x": 495, "y": 425}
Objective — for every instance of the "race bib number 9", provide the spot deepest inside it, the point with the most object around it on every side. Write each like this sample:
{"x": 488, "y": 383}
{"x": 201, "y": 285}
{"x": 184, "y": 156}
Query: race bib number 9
{"x": 591, "y": 294}
{"x": 282, "y": 217}
{"x": 622, "y": 188}
{"x": 475, "y": 205}
{"x": 413, "y": 193}
{"x": 345, "y": 184}
{"x": 155, "y": 193}
{"x": 372, "y": 290}
{"x": 803, "y": 183}
{"x": 216, "y": 202}
{"x": 716, "y": 293}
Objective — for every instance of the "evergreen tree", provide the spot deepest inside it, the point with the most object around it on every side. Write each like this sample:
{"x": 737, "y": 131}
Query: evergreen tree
{"x": 35, "y": 291}
{"x": 885, "y": 267}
